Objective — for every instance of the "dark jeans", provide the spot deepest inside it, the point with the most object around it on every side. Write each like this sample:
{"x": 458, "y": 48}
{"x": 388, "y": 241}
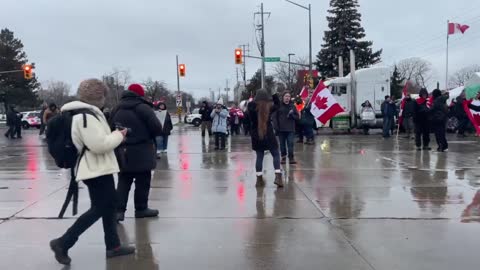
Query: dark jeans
{"x": 102, "y": 198}
{"x": 422, "y": 134}
{"x": 286, "y": 142}
{"x": 387, "y": 126}
{"x": 462, "y": 125}
{"x": 261, "y": 155}
{"x": 308, "y": 132}
{"x": 18, "y": 131}
{"x": 220, "y": 139}
{"x": 235, "y": 128}
{"x": 142, "y": 190}
{"x": 10, "y": 132}
{"x": 162, "y": 143}
{"x": 42, "y": 129}
{"x": 440, "y": 131}
{"x": 206, "y": 125}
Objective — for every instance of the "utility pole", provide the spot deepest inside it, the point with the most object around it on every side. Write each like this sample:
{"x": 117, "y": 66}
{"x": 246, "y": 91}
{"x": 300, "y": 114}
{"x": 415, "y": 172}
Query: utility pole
{"x": 226, "y": 90}
{"x": 262, "y": 42}
{"x": 290, "y": 71}
{"x": 237, "y": 74}
{"x": 178, "y": 92}
{"x": 219, "y": 93}
{"x": 245, "y": 50}
{"x": 309, "y": 8}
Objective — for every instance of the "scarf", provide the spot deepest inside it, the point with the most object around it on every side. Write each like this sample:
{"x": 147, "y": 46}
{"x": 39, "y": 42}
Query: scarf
{"x": 161, "y": 115}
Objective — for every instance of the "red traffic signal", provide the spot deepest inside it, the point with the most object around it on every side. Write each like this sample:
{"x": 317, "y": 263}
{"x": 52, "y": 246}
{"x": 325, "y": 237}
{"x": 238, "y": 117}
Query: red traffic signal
{"x": 27, "y": 71}
{"x": 238, "y": 56}
{"x": 181, "y": 70}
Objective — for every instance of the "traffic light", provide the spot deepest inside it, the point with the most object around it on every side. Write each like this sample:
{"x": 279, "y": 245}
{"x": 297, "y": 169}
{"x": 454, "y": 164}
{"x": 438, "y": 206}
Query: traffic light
{"x": 181, "y": 70}
{"x": 28, "y": 71}
{"x": 238, "y": 56}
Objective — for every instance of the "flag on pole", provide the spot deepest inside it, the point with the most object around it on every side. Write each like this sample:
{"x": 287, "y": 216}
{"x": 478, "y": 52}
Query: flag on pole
{"x": 304, "y": 93}
{"x": 456, "y": 28}
{"x": 402, "y": 105}
{"x": 324, "y": 105}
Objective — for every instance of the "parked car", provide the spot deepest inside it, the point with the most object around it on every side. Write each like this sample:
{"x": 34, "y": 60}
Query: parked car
{"x": 31, "y": 119}
{"x": 195, "y": 118}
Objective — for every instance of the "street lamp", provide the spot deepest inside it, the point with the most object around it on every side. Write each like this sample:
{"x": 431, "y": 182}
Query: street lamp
{"x": 290, "y": 72}
{"x": 309, "y": 8}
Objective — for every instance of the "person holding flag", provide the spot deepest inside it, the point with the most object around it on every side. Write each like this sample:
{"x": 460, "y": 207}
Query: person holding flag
{"x": 421, "y": 117}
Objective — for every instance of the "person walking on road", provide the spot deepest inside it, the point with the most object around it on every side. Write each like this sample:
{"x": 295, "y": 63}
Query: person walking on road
{"x": 137, "y": 155}
{"x": 307, "y": 121}
{"x": 461, "y": 115}
{"x": 284, "y": 120}
{"x": 439, "y": 114}
{"x": 95, "y": 168}
{"x": 206, "y": 112}
{"x": 219, "y": 125}
{"x": 263, "y": 136}
{"x": 388, "y": 112}
{"x": 12, "y": 116}
{"x": 407, "y": 115}
{"x": 42, "y": 123}
{"x": 167, "y": 126}
{"x": 421, "y": 118}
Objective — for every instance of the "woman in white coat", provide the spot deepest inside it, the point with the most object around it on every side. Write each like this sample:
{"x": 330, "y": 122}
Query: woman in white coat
{"x": 95, "y": 168}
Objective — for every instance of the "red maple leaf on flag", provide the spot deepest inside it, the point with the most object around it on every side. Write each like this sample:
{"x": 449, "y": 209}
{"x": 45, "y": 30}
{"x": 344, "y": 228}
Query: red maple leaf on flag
{"x": 321, "y": 102}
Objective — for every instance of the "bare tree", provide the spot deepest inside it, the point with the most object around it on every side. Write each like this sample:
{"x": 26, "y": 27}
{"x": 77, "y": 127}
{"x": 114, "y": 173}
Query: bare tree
{"x": 289, "y": 77}
{"x": 57, "y": 92}
{"x": 117, "y": 81}
{"x": 416, "y": 70}
{"x": 463, "y": 75}
{"x": 156, "y": 90}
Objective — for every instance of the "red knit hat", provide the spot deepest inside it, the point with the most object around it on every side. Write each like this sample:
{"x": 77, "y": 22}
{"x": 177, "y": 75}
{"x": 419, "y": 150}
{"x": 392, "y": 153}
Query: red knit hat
{"x": 137, "y": 88}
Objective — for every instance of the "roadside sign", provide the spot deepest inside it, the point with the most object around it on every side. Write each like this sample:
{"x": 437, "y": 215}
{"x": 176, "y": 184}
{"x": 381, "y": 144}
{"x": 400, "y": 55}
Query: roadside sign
{"x": 179, "y": 103}
{"x": 272, "y": 59}
{"x": 179, "y": 100}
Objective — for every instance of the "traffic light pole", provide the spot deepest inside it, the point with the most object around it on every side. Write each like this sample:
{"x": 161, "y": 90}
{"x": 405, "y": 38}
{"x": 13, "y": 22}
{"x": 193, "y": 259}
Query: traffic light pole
{"x": 178, "y": 92}
{"x": 11, "y": 71}
{"x": 309, "y": 8}
{"x": 263, "y": 48}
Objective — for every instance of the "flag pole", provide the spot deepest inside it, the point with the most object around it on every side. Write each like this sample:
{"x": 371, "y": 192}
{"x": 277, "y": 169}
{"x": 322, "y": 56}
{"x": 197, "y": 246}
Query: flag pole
{"x": 446, "y": 72}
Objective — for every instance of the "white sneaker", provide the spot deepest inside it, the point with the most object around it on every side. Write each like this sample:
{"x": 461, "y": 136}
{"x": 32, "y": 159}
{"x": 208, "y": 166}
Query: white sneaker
{"x": 159, "y": 152}
{"x": 164, "y": 151}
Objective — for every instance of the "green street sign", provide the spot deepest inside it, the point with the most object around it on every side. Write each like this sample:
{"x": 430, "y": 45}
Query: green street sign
{"x": 272, "y": 59}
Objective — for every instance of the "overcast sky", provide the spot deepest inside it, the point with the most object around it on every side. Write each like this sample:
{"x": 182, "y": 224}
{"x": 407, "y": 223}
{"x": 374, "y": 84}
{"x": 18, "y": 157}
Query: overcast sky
{"x": 77, "y": 39}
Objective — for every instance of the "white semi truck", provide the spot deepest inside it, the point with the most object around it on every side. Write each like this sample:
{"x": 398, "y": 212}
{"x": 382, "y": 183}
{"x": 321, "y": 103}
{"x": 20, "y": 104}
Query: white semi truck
{"x": 371, "y": 84}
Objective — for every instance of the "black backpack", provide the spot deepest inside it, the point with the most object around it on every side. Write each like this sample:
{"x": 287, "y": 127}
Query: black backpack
{"x": 64, "y": 152}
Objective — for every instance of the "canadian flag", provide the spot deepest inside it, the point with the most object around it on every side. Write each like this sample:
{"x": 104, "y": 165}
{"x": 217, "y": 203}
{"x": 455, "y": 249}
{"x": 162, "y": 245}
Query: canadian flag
{"x": 324, "y": 105}
{"x": 456, "y": 28}
{"x": 402, "y": 105}
{"x": 304, "y": 93}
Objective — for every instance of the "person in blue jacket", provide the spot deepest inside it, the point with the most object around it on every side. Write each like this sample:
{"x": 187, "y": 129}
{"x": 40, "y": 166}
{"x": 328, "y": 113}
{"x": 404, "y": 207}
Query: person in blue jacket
{"x": 219, "y": 124}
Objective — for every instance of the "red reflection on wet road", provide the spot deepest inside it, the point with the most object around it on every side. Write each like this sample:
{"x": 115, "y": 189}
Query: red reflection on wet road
{"x": 185, "y": 176}
{"x": 32, "y": 159}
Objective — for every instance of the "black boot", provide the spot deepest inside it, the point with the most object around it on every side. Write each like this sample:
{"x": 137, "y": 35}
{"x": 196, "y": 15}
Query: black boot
{"x": 260, "y": 181}
{"x": 278, "y": 180}
{"x": 120, "y": 251}
{"x": 61, "y": 254}
{"x": 146, "y": 213}
{"x": 120, "y": 216}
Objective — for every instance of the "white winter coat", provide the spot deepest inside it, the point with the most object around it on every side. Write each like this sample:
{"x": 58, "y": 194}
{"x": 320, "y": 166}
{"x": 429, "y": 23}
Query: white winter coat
{"x": 100, "y": 158}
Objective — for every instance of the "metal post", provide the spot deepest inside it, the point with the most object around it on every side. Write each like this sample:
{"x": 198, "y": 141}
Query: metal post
{"x": 310, "y": 38}
{"x": 353, "y": 109}
{"x": 290, "y": 82}
{"x": 178, "y": 92}
{"x": 446, "y": 76}
{"x": 262, "y": 44}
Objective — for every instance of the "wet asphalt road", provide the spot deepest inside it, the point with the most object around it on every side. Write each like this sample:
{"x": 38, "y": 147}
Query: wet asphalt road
{"x": 352, "y": 202}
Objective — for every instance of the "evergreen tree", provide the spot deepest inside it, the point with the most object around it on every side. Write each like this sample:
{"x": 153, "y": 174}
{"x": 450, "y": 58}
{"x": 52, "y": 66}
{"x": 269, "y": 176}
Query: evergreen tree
{"x": 14, "y": 89}
{"x": 345, "y": 33}
{"x": 396, "y": 83}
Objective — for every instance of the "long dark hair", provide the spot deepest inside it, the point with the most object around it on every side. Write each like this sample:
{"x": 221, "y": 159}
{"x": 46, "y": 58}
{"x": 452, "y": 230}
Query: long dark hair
{"x": 263, "y": 116}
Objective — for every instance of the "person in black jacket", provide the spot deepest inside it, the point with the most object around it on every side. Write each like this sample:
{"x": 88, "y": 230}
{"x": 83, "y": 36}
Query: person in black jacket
{"x": 18, "y": 125}
{"x": 389, "y": 111}
{"x": 439, "y": 114}
{"x": 407, "y": 114}
{"x": 263, "y": 135}
{"x": 167, "y": 126}
{"x": 137, "y": 156}
{"x": 11, "y": 122}
{"x": 284, "y": 120}
{"x": 421, "y": 118}
{"x": 206, "y": 112}
{"x": 461, "y": 115}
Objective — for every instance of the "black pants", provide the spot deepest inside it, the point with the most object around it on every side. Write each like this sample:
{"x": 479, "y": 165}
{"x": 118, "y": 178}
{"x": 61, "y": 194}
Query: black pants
{"x": 462, "y": 125}
{"x": 440, "y": 130}
{"x": 102, "y": 198}
{"x": 422, "y": 134}
{"x": 42, "y": 129}
{"x": 235, "y": 128}
{"x": 18, "y": 131}
{"x": 10, "y": 132}
{"x": 220, "y": 139}
{"x": 142, "y": 190}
